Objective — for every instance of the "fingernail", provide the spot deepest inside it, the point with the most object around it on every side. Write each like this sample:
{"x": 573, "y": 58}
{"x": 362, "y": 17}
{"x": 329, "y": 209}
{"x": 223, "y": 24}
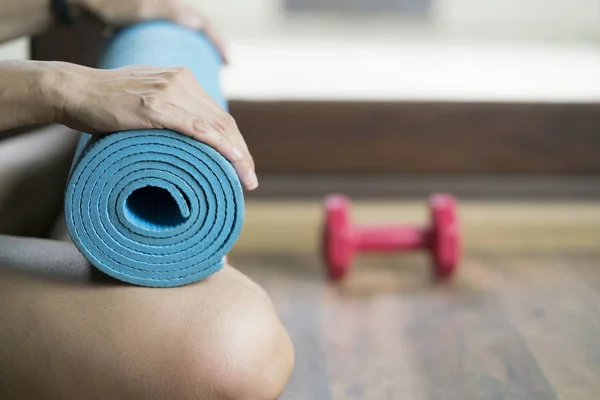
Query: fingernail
{"x": 251, "y": 180}
{"x": 237, "y": 154}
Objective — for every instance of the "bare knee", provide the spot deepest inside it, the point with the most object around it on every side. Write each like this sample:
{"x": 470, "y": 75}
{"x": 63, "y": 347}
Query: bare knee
{"x": 252, "y": 359}
{"x": 217, "y": 339}
{"x": 244, "y": 354}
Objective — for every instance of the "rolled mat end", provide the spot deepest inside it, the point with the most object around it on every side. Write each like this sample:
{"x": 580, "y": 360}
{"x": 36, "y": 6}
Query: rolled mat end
{"x": 154, "y": 207}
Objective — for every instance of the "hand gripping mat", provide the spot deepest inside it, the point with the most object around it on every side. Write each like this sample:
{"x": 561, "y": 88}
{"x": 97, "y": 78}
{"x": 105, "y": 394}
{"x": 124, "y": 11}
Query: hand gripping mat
{"x": 154, "y": 207}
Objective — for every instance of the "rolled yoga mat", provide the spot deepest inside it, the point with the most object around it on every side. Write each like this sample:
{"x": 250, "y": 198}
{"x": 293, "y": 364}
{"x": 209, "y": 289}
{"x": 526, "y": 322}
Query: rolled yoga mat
{"x": 154, "y": 207}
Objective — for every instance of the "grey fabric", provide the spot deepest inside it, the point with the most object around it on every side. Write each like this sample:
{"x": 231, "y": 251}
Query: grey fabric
{"x": 33, "y": 173}
{"x": 51, "y": 259}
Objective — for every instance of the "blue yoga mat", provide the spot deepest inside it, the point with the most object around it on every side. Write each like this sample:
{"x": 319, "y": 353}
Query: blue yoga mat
{"x": 155, "y": 207}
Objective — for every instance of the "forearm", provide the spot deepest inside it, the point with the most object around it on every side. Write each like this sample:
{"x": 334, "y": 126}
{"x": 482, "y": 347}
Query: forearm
{"x": 23, "y": 17}
{"x": 29, "y": 92}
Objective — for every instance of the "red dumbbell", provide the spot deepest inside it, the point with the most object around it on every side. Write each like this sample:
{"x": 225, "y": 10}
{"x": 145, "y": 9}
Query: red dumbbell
{"x": 342, "y": 240}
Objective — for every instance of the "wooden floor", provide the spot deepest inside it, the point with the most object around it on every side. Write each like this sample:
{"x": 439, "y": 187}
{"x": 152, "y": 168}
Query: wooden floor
{"x": 510, "y": 327}
{"x": 521, "y": 321}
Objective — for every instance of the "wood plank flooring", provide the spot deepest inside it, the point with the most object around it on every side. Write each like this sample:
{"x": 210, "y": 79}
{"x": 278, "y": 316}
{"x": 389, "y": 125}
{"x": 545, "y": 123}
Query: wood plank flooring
{"x": 511, "y": 326}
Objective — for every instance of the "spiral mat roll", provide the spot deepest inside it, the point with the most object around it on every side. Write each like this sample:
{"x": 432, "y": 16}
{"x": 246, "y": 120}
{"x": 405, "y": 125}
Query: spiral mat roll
{"x": 154, "y": 207}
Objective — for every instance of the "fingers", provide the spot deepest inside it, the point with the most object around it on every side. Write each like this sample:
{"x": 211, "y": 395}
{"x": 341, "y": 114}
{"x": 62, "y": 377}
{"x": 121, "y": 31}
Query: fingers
{"x": 177, "y": 119}
{"x": 222, "y": 138}
{"x": 246, "y": 172}
{"x": 225, "y": 124}
{"x": 245, "y": 167}
{"x": 193, "y": 19}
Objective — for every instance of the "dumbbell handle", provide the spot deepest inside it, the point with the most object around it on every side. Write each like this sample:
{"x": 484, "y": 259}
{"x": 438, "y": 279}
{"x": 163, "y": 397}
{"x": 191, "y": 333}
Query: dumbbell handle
{"x": 390, "y": 238}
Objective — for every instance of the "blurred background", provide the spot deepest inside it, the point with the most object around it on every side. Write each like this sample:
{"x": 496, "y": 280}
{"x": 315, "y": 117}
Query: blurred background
{"x": 386, "y": 98}
{"x": 526, "y": 19}
{"x": 389, "y": 101}
{"x": 432, "y": 48}
{"x": 411, "y": 49}
{"x": 397, "y": 99}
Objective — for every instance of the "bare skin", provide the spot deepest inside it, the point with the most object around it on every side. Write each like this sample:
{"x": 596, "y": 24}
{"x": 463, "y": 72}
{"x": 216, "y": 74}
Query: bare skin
{"x": 64, "y": 333}
{"x": 65, "y": 337}
{"x": 100, "y": 101}
{"x": 104, "y": 101}
{"x": 61, "y": 320}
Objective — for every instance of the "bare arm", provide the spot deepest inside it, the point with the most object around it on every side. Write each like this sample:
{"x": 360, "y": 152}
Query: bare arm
{"x": 100, "y": 101}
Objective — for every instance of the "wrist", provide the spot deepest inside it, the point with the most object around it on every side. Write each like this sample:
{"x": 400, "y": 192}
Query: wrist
{"x": 40, "y": 79}
{"x": 54, "y": 81}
